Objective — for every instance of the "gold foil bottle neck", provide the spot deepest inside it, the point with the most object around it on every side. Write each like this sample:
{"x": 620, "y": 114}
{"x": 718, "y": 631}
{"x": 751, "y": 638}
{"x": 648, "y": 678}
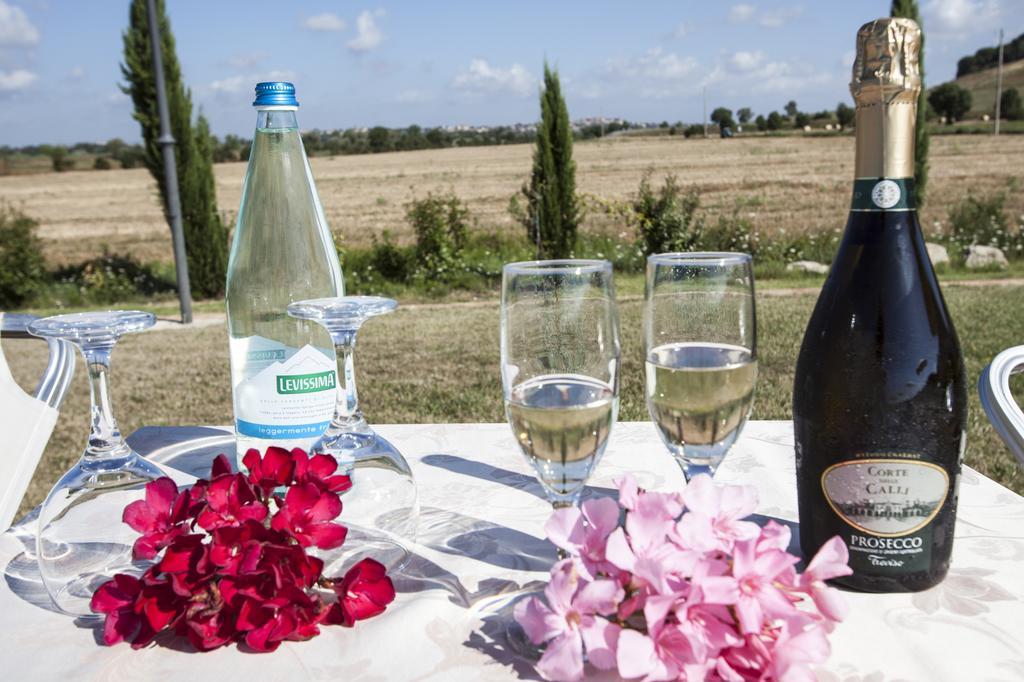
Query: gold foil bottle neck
{"x": 886, "y": 84}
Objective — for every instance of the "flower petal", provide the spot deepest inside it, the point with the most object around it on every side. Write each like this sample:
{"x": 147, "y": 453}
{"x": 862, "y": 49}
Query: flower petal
{"x": 563, "y": 658}
{"x": 601, "y": 640}
{"x": 635, "y": 654}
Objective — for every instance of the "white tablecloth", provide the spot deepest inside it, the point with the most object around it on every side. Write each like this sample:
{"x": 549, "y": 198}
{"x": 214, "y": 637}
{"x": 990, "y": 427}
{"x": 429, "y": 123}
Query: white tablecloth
{"x": 481, "y": 536}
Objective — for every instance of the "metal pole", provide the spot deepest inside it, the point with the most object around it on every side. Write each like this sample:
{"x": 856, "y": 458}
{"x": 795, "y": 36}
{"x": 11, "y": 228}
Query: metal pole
{"x": 166, "y": 141}
{"x": 999, "y": 81}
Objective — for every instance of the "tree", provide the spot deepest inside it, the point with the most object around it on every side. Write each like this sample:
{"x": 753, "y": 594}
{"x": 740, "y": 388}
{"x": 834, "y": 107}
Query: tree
{"x": 801, "y": 120}
{"x": 1010, "y": 106}
{"x": 208, "y": 258}
{"x": 552, "y": 214}
{"x": 791, "y": 108}
{"x": 845, "y": 114}
{"x": 723, "y": 118}
{"x": 378, "y": 139}
{"x": 744, "y": 115}
{"x": 761, "y": 123}
{"x": 59, "y": 159}
{"x": 908, "y": 9}
{"x": 774, "y": 121}
{"x": 951, "y": 101}
{"x": 205, "y": 234}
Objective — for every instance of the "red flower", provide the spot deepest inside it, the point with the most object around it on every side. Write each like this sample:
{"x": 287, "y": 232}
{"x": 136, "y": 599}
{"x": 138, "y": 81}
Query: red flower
{"x": 116, "y": 598}
{"x": 271, "y": 471}
{"x": 159, "y": 517}
{"x": 248, "y": 577}
{"x": 319, "y": 470}
{"x": 230, "y": 500}
{"x": 306, "y": 516}
{"x": 364, "y": 592}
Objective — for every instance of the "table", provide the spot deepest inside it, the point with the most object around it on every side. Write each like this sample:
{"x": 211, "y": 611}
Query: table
{"x": 481, "y": 536}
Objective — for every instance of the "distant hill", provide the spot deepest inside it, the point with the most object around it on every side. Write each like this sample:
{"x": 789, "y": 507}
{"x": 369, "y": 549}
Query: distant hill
{"x": 982, "y": 86}
{"x": 987, "y": 57}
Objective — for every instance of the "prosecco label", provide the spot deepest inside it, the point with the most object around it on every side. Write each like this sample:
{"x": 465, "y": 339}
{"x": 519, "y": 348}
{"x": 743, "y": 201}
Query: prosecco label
{"x": 887, "y": 504}
{"x": 883, "y": 194}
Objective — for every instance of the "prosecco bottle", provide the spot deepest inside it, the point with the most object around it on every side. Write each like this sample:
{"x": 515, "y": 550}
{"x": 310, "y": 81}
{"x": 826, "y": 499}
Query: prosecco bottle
{"x": 879, "y": 400}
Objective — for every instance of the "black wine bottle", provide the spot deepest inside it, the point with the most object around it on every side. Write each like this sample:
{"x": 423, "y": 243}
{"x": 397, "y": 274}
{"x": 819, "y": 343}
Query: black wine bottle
{"x": 879, "y": 399}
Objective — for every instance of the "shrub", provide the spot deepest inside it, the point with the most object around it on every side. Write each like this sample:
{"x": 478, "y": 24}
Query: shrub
{"x": 693, "y": 130}
{"x": 111, "y": 278}
{"x": 982, "y": 221}
{"x": 441, "y": 224}
{"x": 390, "y": 260}
{"x": 101, "y": 163}
{"x": 666, "y": 219}
{"x": 22, "y": 268}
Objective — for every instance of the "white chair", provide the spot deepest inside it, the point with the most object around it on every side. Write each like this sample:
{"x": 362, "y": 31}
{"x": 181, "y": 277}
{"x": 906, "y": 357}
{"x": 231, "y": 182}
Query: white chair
{"x": 26, "y": 421}
{"x": 1001, "y": 408}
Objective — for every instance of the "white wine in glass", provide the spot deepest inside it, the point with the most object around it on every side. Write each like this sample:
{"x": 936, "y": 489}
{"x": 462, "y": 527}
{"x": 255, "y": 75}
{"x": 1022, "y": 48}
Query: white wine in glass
{"x": 700, "y": 339}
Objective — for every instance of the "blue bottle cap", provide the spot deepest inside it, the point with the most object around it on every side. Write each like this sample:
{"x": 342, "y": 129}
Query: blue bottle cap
{"x": 276, "y": 93}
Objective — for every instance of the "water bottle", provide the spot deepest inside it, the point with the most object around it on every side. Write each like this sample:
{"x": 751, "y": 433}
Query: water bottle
{"x": 283, "y": 370}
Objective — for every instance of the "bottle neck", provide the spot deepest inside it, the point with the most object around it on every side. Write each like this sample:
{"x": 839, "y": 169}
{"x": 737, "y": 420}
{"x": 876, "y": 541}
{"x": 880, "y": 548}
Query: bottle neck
{"x": 276, "y": 118}
{"x": 884, "y": 170}
{"x": 885, "y": 139}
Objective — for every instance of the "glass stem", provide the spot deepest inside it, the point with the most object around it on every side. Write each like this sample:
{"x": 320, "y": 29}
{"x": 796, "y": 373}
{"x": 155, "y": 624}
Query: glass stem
{"x": 347, "y": 414}
{"x": 105, "y": 439}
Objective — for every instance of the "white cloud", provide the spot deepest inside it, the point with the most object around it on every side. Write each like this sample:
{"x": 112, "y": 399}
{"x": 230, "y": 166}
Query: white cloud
{"x": 784, "y": 78}
{"x": 655, "y": 64}
{"x": 19, "y": 79}
{"x": 77, "y": 72}
{"x": 742, "y": 12}
{"x": 246, "y": 60}
{"x": 746, "y": 61}
{"x": 773, "y": 18}
{"x": 961, "y": 19}
{"x": 480, "y": 77}
{"x": 368, "y": 35}
{"x": 231, "y": 84}
{"x": 328, "y": 21}
{"x": 15, "y": 28}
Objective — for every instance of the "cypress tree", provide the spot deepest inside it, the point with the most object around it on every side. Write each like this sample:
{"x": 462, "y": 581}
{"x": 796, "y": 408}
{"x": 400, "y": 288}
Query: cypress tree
{"x": 205, "y": 235}
{"x": 908, "y": 9}
{"x": 552, "y": 205}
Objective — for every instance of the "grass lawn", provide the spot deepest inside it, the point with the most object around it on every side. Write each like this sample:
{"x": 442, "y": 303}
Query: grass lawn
{"x": 440, "y": 364}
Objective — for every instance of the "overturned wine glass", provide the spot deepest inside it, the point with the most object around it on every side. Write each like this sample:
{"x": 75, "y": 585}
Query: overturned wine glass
{"x": 381, "y": 509}
{"x": 80, "y": 545}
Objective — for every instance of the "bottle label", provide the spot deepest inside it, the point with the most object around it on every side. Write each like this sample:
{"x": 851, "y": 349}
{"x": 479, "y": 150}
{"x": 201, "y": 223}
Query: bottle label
{"x": 887, "y": 504}
{"x": 282, "y": 392}
{"x": 883, "y": 194}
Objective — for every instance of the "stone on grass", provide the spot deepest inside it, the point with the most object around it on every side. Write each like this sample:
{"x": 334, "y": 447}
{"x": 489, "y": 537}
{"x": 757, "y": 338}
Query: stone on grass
{"x": 937, "y": 253}
{"x": 807, "y": 266}
{"x": 979, "y": 256}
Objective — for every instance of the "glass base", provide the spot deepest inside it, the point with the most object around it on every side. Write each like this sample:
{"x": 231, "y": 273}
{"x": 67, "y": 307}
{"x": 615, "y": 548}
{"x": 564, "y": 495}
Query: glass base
{"x": 82, "y": 544}
{"x": 381, "y": 509}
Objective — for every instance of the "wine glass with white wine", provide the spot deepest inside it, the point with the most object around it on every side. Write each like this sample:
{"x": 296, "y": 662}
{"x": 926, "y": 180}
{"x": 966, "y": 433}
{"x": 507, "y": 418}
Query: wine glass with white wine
{"x": 560, "y": 367}
{"x": 700, "y": 342}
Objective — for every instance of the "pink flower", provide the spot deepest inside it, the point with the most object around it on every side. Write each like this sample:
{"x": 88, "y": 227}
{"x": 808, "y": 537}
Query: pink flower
{"x": 657, "y": 655}
{"x": 307, "y": 514}
{"x": 158, "y": 517}
{"x": 755, "y": 576}
{"x": 793, "y": 655}
{"x": 364, "y": 592}
{"x": 571, "y": 618}
{"x": 713, "y": 519}
{"x": 583, "y": 533}
{"x": 830, "y": 562}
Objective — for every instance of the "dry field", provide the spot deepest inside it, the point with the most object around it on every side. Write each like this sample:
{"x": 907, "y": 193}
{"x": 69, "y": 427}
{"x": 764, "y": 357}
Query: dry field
{"x": 781, "y": 182}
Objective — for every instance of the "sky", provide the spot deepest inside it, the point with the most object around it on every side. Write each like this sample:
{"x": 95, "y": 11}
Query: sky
{"x": 458, "y": 62}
